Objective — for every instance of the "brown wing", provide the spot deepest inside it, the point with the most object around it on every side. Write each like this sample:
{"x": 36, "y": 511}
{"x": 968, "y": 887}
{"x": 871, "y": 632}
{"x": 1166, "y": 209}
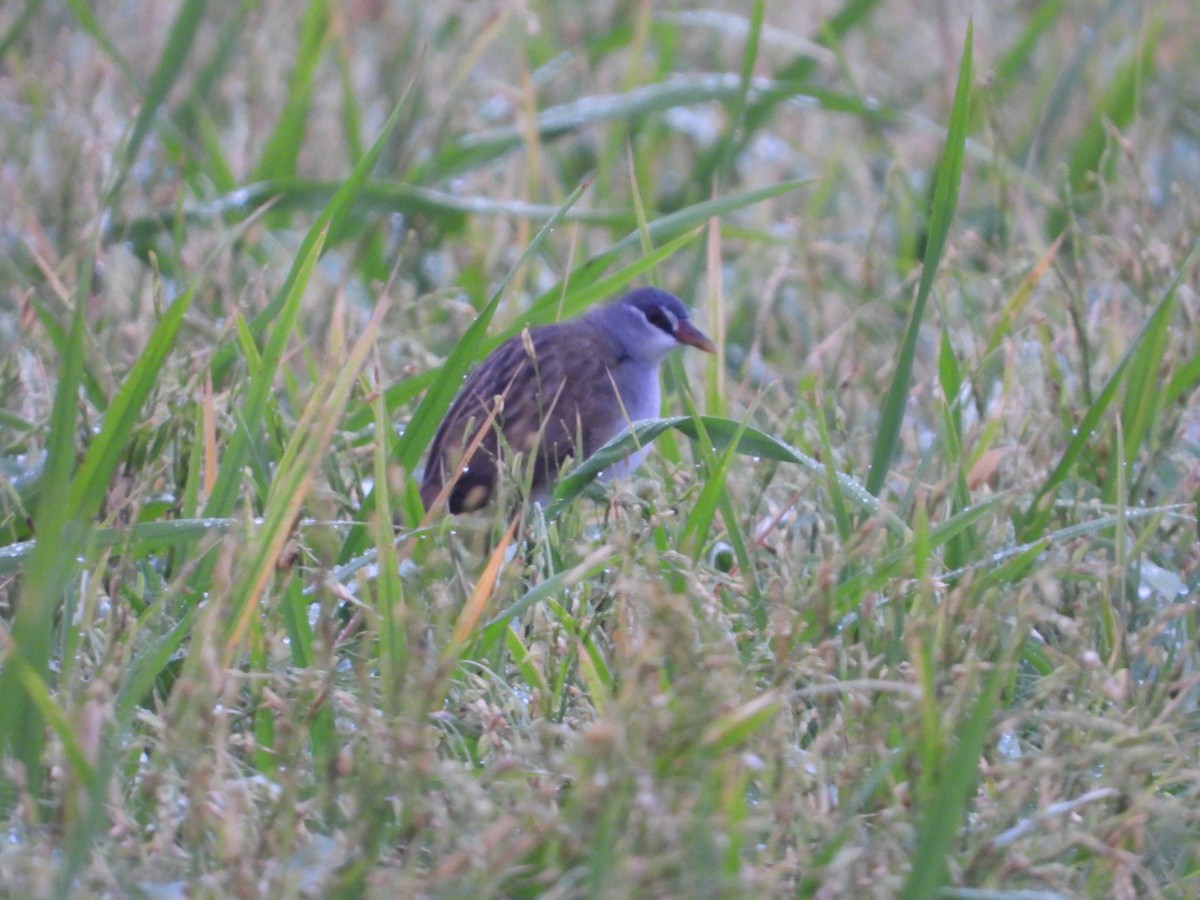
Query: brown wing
{"x": 538, "y": 391}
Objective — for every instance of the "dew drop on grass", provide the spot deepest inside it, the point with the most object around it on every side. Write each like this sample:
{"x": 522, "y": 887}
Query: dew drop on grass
{"x": 1009, "y": 746}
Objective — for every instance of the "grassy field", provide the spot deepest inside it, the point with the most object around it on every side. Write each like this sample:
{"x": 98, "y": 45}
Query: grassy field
{"x": 903, "y": 602}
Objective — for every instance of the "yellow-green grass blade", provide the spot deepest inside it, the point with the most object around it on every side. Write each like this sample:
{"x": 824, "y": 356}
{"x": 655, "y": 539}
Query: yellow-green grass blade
{"x": 283, "y": 309}
{"x": 292, "y": 480}
{"x": 252, "y": 416}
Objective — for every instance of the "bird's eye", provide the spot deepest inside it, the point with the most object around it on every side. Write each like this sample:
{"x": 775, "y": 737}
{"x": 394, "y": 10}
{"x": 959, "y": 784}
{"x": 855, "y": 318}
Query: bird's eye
{"x": 659, "y": 319}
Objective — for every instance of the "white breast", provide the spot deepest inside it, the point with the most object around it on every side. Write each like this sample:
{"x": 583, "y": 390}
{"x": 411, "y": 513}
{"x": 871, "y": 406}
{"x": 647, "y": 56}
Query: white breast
{"x": 642, "y": 399}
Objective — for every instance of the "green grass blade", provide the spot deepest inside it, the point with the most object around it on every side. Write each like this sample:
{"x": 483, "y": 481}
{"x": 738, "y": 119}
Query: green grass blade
{"x": 1116, "y": 109}
{"x": 732, "y": 139}
{"x": 758, "y": 108}
{"x": 699, "y": 519}
{"x": 945, "y": 199}
{"x": 171, "y": 63}
{"x": 483, "y": 147}
{"x": 291, "y": 483}
{"x": 1184, "y": 379}
{"x": 947, "y": 805}
{"x": 145, "y": 537}
{"x": 722, "y": 432}
{"x": 282, "y": 311}
{"x": 1144, "y": 393}
{"x": 590, "y": 567}
{"x": 18, "y": 26}
{"x": 83, "y": 14}
{"x": 1014, "y": 64}
{"x": 951, "y": 379}
{"x": 331, "y": 217}
{"x": 282, "y": 149}
{"x": 247, "y": 437}
{"x": 841, "y": 516}
{"x": 14, "y": 422}
{"x": 91, "y": 482}
{"x": 51, "y": 566}
{"x": 582, "y": 285}
{"x": 60, "y": 338}
{"x": 1034, "y": 520}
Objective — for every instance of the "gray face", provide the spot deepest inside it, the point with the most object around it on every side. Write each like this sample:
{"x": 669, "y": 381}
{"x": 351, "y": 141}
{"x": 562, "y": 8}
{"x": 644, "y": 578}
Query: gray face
{"x": 646, "y": 323}
{"x": 651, "y": 332}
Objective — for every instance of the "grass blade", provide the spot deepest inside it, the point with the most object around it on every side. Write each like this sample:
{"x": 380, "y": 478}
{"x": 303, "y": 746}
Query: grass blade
{"x": 722, "y": 432}
{"x": 292, "y": 481}
{"x": 945, "y": 199}
{"x": 947, "y": 804}
{"x": 171, "y": 64}
{"x": 331, "y": 218}
{"x": 51, "y": 565}
{"x": 1034, "y": 520}
{"x": 95, "y": 472}
{"x": 1116, "y": 110}
{"x": 282, "y": 149}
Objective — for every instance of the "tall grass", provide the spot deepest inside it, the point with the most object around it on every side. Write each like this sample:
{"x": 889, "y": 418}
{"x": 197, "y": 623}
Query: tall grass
{"x": 901, "y": 604}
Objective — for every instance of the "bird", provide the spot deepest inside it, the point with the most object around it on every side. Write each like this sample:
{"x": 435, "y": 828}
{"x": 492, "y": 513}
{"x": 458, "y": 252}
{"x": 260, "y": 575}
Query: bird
{"x": 557, "y": 391}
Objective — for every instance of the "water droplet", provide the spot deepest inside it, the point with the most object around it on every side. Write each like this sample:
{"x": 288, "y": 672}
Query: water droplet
{"x": 1009, "y": 746}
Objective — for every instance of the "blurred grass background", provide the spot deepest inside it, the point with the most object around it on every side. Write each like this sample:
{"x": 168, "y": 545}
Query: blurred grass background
{"x": 903, "y": 602}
